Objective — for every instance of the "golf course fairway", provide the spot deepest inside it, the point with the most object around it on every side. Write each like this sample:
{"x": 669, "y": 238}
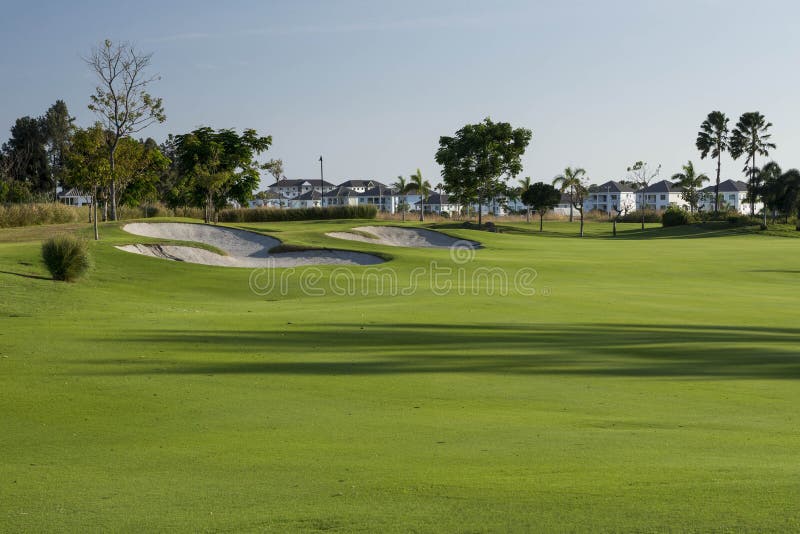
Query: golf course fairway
{"x": 645, "y": 383}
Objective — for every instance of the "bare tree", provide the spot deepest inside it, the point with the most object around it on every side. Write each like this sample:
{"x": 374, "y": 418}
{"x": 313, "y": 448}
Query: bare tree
{"x": 641, "y": 176}
{"x": 121, "y": 100}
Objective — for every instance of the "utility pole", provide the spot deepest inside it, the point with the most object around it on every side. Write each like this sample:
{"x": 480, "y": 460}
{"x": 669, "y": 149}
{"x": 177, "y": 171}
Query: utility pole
{"x": 321, "y": 184}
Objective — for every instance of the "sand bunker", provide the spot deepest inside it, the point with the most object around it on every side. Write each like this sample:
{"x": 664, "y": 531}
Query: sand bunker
{"x": 395, "y": 236}
{"x": 243, "y": 248}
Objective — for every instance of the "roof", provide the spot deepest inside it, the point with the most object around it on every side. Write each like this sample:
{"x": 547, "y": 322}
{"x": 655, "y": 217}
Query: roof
{"x": 309, "y": 195}
{"x": 664, "y": 186}
{"x": 728, "y": 186}
{"x": 72, "y": 192}
{"x": 341, "y": 191}
{"x": 437, "y": 198}
{"x": 299, "y": 182}
{"x": 612, "y": 186}
{"x": 361, "y": 183}
{"x": 378, "y": 191}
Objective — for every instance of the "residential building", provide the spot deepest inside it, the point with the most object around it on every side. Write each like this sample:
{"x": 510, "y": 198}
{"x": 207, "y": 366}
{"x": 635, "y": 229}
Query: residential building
{"x": 661, "y": 195}
{"x": 611, "y": 196}
{"x": 733, "y": 195}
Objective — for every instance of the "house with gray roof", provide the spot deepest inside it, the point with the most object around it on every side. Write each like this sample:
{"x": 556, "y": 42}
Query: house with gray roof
{"x": 609, "y": 196}
{"x": 733, "y": 195}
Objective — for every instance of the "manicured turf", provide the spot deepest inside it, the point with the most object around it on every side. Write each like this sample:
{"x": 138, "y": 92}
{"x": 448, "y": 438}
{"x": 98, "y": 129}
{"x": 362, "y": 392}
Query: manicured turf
{"x": 651, "y": 383}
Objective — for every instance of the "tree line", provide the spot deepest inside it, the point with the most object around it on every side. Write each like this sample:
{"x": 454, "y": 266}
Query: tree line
{"x": 106, "y": 161}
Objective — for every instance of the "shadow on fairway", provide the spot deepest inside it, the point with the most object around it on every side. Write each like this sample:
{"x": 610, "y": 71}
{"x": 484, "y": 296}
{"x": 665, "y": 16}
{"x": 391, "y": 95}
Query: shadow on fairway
{"x": 642, "y": 351}
{"x": 624, "y": 231}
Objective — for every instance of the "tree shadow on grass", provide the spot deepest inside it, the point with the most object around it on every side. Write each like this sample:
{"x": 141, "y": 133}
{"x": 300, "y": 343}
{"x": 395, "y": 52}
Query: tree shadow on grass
{"x": 625, "y": 232}
{"x": 26, "y": 275}
{"x": 613, "y": 350}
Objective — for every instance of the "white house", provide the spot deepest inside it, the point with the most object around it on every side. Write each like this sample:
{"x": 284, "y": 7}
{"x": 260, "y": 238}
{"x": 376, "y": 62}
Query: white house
{"x": 361, "y": 186}
{"x": 660, "y": 195}
{"x": 733, "y": 195}
{"x": 384, "y": 198}
{"x": 310, "y": 199}
{"x": 294, "y": 188}
{"x": 74, "y": 197}
{"x": 440, "y": 203}
{"x": 611, "y": 196}
{"x": 341, "y": 196}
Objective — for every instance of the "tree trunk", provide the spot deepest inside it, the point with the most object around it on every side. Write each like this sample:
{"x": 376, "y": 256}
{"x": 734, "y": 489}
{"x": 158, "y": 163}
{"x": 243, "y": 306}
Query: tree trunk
{"x": 581, "y": 212}
{"x": 528, "y": 215}
{"x": 94, "y": 206}
{"x": 570, "y": 207}
{"x": 614, "y": 230}
{"x": 480, "y": 211}
{"x": 405, "y": 200}
{"x": 421, "y": 209}
{"x": 113, "y": 188}
{"x": 716, "y": 187}
{"x": 541, "y": 221}
{"x": 753, "y": 187}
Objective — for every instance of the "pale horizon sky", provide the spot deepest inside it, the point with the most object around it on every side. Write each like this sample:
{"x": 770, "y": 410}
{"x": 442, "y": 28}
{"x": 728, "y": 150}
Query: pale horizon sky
{"x": 371, "y": 86}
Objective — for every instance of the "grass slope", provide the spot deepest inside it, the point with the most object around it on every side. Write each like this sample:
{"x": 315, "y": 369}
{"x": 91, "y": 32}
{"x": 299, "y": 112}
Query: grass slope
{"x": 650, "y": 384}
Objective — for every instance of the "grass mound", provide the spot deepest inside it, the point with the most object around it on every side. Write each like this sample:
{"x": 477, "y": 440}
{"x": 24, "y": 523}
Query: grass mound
{"x": 66, "y": 257}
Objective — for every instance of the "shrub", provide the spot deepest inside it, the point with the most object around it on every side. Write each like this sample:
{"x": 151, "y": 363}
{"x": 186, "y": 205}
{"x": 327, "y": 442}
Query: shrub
{"x": 299, "y": 214}
{"x": 650, "y": 216}
{"x": 32, "y": 214}
{"x": 66, "y": 257}
{"x": 675, "y": 216}
{"x": 739, "y": 219}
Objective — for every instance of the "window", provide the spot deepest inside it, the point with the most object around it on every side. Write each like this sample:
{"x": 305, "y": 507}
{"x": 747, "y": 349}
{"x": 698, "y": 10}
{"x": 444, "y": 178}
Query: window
{"x": 732, "y": 198}
{"x": 613, "y": 197}
{"x": 663, "y": 197}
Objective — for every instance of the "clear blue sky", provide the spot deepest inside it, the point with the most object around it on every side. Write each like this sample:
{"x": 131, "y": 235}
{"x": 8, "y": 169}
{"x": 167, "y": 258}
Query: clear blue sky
{"x": 372, "y": 85}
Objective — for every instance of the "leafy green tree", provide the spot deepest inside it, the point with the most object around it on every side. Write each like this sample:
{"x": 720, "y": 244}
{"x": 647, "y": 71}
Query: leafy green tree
{"x": 26, "y": 152}
{"x": 641, "y": 176}
{"x": 58, "y": 128}
{"x": 542, "y": 198}
{"x": 275, "y": 168}
{"x": 87, "y": 167}
{"x": 713, "y": 138}
{"x": 524, "y": 185}
{"x": 751, "y": 138}
{"x": 402, "y": 189}
{"x": 423, "y": 187}
{"x": 691, "y": 183}
{"x": 121, "y": 99}
{"x": 773, "y": 189}
{"x": 139, "y": 166}
{"x": 567, "y": 182}
{"x": 219, "y": 165}
{"x": 479, "y": 157}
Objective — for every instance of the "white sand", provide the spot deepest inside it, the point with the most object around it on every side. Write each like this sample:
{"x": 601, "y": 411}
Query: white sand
{"x": 243, "y": 248}
{"x": 395, "y": 236}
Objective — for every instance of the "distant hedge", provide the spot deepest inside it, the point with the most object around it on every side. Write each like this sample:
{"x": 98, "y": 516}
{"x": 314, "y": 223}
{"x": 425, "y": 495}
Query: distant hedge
{"x": 299, "y": 214}
{"x": 650, "y": 216}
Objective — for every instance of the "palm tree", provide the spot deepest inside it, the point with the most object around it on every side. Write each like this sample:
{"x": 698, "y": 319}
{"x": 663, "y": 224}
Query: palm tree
{"x": 568, "y": 182}
{"x": 750, "y": 137}
{"x": 524, "y": 185}
{"x": 402, "y": 188}
{"x": 713, "y": 138}
{"x": 424, "y": 188}
{"x": 691, "y": 182}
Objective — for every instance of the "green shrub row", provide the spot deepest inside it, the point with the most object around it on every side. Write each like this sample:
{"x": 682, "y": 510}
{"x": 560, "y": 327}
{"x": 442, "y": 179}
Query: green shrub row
{"x": 299, "y": 214}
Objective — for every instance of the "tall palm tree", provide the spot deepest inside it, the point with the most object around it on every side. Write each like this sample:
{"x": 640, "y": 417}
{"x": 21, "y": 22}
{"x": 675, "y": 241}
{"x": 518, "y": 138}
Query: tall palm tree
{"x": 750, "y": 137}
{"x": 691, "y": 182}
{"x": 713, "y": 138}
{"x": 402, "y": 188}
{"x": 424, "y": 188}
{"x": 524, "y": 185}
{"x": 568, "y": 182}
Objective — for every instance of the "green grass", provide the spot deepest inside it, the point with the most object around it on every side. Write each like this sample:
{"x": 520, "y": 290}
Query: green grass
{"x": 652, "y": 383}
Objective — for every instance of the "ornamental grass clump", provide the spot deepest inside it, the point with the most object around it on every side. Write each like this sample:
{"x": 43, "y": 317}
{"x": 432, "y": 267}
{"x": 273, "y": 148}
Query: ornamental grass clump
{"x": 66, "y": 257}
